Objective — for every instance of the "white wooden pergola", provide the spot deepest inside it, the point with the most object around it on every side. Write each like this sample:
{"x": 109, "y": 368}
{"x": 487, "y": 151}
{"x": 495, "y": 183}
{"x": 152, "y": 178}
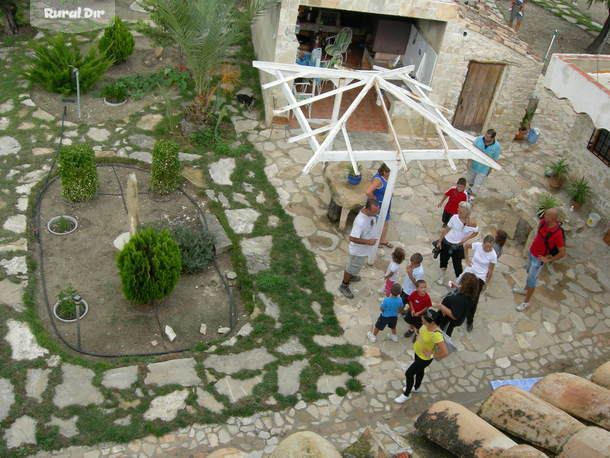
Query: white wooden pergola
{"x": 395, "y": 82}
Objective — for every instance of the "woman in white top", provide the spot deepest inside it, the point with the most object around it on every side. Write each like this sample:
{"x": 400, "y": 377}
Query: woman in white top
{"x": 482, "y": 263}
{"x": 459, "y": 230}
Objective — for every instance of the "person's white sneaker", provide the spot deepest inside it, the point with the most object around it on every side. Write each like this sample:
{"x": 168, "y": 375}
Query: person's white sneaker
{"x": 402, "y": 399}
{"x": 371, "y": 337}
{"x": 393, "y": 338}
{"x": 518, "y": 290}
{"x": 413, "y": 390}
{"x": 522, "y": 306}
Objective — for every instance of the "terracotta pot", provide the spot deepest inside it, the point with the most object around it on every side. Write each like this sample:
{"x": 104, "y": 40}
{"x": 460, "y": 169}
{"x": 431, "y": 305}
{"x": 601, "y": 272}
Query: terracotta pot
{"x": 555, "y": 183}
{"x": 521, "y": 134}
{"x": 575, "y": 205}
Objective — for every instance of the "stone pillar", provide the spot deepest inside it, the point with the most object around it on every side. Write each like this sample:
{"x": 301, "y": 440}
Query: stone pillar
{"x": 528, "y": 417}
{"x": 461, "y": 432}
{"x": 577, "y": 396}
{"x": 132, "y": 200}
{"x": 601, "y": 376}
{"x": 590, "y": 442}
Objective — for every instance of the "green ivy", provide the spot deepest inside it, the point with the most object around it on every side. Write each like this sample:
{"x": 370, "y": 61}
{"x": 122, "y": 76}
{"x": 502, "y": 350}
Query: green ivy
{"x": 138, "y": 84}
{"x": 78, "y": 172}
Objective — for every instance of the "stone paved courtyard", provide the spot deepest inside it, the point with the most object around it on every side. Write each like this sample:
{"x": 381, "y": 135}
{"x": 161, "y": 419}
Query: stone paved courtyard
{"x": 567, "y": 327}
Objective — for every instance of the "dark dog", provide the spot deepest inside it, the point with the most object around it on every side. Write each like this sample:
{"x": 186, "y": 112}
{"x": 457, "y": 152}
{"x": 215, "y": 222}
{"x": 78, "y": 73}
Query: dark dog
{"x": 246, "y": 100}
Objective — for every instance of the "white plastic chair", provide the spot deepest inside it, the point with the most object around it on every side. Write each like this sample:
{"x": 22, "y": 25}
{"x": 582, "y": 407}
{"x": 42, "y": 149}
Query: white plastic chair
{"x": 303, "y": 91}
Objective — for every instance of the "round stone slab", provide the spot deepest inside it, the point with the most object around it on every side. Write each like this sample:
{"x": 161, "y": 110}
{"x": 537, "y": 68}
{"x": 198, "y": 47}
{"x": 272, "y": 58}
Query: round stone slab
{"x": 8, "y": 145}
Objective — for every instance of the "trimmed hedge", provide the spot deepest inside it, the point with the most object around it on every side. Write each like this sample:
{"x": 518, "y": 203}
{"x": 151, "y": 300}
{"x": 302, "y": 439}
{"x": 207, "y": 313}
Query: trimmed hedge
{"x": 117, "y": 42}
{"x": 165, "y": 170}
{"x": 78, "y": 172}
{"x": 149, "y": 266}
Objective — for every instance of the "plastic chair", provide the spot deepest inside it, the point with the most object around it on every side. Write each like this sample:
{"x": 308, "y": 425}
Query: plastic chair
{"x": 303, "y": 91}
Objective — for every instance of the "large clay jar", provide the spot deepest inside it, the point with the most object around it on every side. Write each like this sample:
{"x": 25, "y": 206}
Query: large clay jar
{"x": 305, "y": 444}
{"x": 590, "y": 442}
{"x": 461, "y": 432}
{"x": 576, "y": 396}
{"x": 528, "y": 417}
{"x": 601, "y": 376}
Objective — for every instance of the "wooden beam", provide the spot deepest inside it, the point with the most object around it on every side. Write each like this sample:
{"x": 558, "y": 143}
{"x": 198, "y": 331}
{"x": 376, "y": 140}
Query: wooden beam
{"x": 317, "y": 131}
{"x": 391, "y": 75}
{"x": 390, "y": 124}
{"x": 315, "y": 72}
{"x": 348, "y": 145}
{"x": 286, "y": 79}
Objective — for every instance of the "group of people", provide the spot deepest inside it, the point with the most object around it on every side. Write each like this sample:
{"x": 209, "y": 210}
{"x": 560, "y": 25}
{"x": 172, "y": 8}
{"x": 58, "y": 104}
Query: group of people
{"x": 429, "y": 326}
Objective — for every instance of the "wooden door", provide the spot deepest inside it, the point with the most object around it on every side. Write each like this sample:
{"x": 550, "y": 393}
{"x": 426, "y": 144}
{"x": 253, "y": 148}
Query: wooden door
{"x": 477, "y": 94}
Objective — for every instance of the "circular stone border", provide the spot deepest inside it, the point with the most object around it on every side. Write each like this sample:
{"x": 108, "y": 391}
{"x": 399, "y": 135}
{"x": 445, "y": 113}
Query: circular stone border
{"x": 55, "y": 218}
{"x": 115, "y": 104}
{"x": 63, "y": 320}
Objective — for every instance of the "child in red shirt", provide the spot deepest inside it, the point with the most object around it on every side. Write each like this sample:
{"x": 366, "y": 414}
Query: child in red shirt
{"x": 419, "y": 302}
{"x": 456, "y": 194}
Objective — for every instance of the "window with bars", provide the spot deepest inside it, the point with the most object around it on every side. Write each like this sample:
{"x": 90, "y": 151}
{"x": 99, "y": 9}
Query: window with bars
{"x": 599, "y": 144}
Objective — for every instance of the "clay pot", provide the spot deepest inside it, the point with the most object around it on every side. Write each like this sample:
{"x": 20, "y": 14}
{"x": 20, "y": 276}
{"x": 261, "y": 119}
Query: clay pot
{"x": 528, "y": 417}
{"x": 591, "y": 442}
{"x": 555, "y": 183}
{"x": 601, "y": 376}
{"x": 577, "y": 396}
{"x": 460, "y": 431}
{"x": 575, "y": 205}
{"x": 521, "y": 134}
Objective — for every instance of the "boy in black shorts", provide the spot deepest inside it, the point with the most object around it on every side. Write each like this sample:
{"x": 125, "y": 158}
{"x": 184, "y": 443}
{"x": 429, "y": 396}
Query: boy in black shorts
{"x": 390, "y": 308}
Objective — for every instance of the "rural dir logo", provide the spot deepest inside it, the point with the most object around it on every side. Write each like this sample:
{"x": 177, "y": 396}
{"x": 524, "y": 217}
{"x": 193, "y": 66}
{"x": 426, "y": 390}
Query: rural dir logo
{"x": 71, "y": 16}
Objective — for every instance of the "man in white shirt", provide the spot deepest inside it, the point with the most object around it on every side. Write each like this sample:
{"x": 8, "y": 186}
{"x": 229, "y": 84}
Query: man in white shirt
{"x": 361, "y": 241}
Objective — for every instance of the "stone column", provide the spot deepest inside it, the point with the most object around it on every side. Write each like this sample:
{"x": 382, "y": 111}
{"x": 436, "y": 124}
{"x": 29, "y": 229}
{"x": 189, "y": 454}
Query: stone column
{"x": 461, "y": 432}
{"x": 601, "y": 376}
{"x": 528, "y": 417}
{"x": 577, "y": 396}
{"x": 132, "y": 201}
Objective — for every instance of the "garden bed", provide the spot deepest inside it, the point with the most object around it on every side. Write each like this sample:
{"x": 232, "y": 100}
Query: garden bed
{"x": 86, "y": 259}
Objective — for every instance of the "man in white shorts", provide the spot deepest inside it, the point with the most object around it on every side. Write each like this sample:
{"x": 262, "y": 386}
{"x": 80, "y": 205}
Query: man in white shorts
{"x": 361, "y": 241}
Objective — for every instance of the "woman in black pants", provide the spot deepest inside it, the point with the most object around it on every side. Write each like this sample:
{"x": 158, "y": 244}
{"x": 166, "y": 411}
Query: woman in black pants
{"x": 456, "y": 307}
{"x": 459, "y": 230}
{"x": 429, "y": 345}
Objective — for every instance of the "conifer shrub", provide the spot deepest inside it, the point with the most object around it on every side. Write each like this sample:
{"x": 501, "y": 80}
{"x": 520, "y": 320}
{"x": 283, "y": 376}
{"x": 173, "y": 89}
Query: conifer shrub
{"x": 149, "y": 266}
{"x": 117, "y": 42}
{"x": 77, "y": 172}
{"x": 165, "y": 169}
{"x": 53, "y": 61}
{"x": 196, "y": 246}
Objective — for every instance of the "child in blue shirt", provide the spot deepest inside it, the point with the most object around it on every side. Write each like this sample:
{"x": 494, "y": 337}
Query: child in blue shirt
{"x": 390, "y": 308}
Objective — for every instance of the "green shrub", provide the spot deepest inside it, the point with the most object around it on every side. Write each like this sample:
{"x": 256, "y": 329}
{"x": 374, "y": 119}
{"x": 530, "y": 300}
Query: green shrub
{"x": 165, "y": 169}
{"x": 138, "y": 84}
{"x": 78, "y": 172}
{"x": 196, "y": 247}
{"x": 271, "y": 283}
{"x": 149, "y": 266}
{"x": 354, "y": 385}
{"x": 66, "y": 308}
{"x": 117, "y": 42}
{"x": 51, "y": 66}
{"x": 114, "y": 92}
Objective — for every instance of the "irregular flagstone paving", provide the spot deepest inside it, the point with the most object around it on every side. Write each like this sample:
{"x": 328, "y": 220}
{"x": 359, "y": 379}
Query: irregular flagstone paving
{"x": 76, "y": 387}
{"x": 166, "y": 407}
{"x": 232, "y": 363}
{"x": 178, "y": 371}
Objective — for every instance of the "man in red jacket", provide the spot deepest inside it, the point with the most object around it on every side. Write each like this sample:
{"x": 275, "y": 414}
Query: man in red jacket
{"x": 548, "y": 246}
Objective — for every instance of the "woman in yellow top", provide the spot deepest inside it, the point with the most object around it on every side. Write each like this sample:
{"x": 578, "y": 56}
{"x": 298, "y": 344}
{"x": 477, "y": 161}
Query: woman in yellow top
{"x": 428, "y": 346}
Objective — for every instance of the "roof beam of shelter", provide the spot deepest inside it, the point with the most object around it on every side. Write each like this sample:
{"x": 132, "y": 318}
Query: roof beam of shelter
{"x": 390, "y": 155}
{"x": 442, "y": 137}
{"x": 287, "y": 79}
{"x": 390, "y": 124}
{"x": 320, "y": 97}
{"x": 392, "y": 75}
{"x": 317, "y": 131}
{"x": 298, "y": 113}
{"x": 399, "y": 93}
{"x": 348, "y": 145}
{"x": 333, "y": 132}
{"x": 314, "y": 72}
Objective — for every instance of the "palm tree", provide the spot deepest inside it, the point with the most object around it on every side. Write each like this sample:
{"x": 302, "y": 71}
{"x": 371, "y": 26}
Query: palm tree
{"x": 204, "y": 31}
{"x": 598, "y": 43}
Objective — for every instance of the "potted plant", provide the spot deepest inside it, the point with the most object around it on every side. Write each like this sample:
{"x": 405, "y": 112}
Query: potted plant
{"x": 579, "y": 191}
{"x": 62, "y": 225}
{"x": 68, "y": 304}
{"x": 546, "y": 201}
{"x": 559, "y": 172}
{"x": 524, "y": 126}
{"x": 352, "y": 178}
{"x": 114, "y": 94}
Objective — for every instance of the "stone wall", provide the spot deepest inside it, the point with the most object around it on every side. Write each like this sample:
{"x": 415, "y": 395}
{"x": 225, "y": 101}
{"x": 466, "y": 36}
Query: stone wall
{"x": 557, "y": 115}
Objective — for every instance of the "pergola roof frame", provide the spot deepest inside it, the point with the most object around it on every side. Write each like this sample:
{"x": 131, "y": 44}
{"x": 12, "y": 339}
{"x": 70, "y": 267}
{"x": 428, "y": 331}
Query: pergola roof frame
{"x": 380, "y": 79}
